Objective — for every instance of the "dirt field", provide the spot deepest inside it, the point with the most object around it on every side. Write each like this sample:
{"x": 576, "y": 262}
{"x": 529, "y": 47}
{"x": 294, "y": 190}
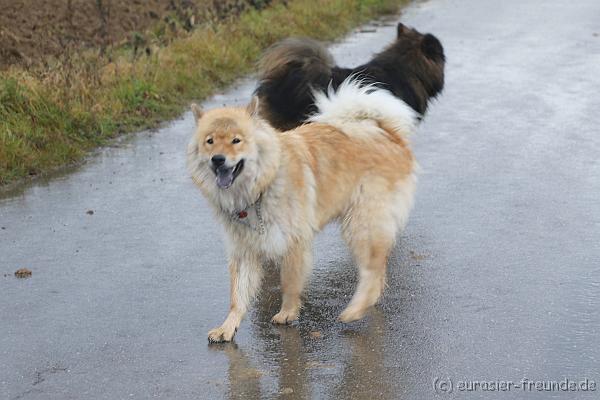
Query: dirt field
{"x": 143, "y": 64}
{"x": 32, "y": 30}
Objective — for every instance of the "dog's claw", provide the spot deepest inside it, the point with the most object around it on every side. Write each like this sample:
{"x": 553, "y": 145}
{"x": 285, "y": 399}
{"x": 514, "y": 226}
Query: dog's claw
{"x": 220, "y": 335}
{"x": 351, "y": 314}
{"x": 284, "y": 318}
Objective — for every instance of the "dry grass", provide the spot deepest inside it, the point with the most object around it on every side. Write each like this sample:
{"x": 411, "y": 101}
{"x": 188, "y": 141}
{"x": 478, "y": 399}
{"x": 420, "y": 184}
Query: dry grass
{"x": 51, "y": 117}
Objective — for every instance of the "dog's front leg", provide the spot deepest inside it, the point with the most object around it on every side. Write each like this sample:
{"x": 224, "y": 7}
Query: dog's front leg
{"x": 245, "y": 276}
{"x": 295, "y": 268}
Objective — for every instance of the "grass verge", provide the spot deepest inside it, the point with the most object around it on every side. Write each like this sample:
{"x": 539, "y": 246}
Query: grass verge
{"x": 54, "y": 117}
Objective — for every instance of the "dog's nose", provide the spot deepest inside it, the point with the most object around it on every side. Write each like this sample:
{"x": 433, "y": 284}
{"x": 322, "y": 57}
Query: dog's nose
{"x": 218, "y": 160}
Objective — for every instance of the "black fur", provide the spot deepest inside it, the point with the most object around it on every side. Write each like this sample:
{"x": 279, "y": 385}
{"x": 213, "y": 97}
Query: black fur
{"x": 412, "y": 68}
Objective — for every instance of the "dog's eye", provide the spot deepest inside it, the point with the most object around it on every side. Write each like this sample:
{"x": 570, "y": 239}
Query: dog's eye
{"x": 235, "y": 141}
{"x": 209, "y": 141}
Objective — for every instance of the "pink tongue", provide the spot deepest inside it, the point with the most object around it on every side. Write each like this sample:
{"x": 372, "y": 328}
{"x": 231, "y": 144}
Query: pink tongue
{"x": 224, "y": 178}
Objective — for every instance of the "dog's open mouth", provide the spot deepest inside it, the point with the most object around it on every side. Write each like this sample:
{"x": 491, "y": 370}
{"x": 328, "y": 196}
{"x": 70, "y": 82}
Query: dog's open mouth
{"x": 226, "y": 175}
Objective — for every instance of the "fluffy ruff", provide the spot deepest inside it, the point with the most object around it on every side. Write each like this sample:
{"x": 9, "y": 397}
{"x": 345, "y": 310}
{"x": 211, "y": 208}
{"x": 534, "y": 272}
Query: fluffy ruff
{"x": 411, "y": 68}
{"x": 352, "y": 164}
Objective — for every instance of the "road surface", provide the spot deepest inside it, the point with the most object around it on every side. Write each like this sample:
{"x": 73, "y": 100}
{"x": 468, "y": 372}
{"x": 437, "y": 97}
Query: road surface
{"x": 496, "y": 278}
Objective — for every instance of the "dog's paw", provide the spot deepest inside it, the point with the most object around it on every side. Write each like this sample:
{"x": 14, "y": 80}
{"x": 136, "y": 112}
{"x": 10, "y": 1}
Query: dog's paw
{"x": 352, "y": 313}
{"x": 221, "y": 334}
{"x": 284, "y": 317}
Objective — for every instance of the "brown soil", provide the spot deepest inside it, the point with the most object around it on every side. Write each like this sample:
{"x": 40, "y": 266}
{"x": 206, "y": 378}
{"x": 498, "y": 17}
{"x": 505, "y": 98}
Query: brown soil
{"x": 33, "y": 30}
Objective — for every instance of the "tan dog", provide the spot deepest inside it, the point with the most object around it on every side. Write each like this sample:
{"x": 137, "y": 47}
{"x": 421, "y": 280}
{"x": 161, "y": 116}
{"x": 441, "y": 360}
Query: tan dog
{"x": 274, "y": 191}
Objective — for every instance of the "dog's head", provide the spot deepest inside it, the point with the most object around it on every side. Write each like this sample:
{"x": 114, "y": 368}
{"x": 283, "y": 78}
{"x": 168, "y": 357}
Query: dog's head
{"x": 429, "y": 46}
{"x": 232, "y": 153}
{"x": 420, "y": 56}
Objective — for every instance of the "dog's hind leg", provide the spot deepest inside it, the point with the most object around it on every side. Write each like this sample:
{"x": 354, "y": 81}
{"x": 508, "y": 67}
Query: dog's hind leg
{"x": 370, "y": 228}
{"x": 370, "y": 249}
{"x": 245, "y": 277}
{"x": 295, "y": 269}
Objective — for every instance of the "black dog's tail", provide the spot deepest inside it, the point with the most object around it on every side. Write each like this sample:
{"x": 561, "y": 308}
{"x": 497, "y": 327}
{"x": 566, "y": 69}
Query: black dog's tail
{"x": 287, "y": 74}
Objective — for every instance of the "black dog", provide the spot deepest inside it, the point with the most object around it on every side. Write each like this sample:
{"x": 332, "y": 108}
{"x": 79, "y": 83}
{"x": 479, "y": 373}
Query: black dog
{"x": 412, "y": 68}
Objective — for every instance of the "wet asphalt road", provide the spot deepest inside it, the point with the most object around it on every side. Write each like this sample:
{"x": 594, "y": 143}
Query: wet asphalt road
{"x": 497, "y": 276}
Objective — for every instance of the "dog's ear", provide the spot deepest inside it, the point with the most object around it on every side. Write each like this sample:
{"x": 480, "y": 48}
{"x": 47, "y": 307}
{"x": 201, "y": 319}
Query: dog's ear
{"x": 197, "y": 111}
{"x": 401, "y": 29}
{"x": 254, "y": 107}
{"x": 432, "y": 48}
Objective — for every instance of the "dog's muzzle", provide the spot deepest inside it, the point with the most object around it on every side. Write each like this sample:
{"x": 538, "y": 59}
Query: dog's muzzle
{"x": 226, "y": 175}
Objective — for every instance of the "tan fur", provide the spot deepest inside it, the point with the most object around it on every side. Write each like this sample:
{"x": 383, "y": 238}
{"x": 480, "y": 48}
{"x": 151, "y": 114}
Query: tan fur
{"x": 306, "y": 178}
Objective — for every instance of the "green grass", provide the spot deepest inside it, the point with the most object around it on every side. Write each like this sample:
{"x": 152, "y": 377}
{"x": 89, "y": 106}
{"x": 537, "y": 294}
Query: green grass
{"x": 53, "y": 117}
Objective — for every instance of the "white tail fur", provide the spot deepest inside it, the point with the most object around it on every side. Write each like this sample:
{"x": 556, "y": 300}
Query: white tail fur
{"x": 356, "y": 103}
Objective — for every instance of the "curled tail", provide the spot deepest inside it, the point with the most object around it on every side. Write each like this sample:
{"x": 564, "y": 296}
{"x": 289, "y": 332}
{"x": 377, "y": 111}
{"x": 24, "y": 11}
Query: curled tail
{"x": 287, "y": 74}
{"x": 353, "y": 104}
